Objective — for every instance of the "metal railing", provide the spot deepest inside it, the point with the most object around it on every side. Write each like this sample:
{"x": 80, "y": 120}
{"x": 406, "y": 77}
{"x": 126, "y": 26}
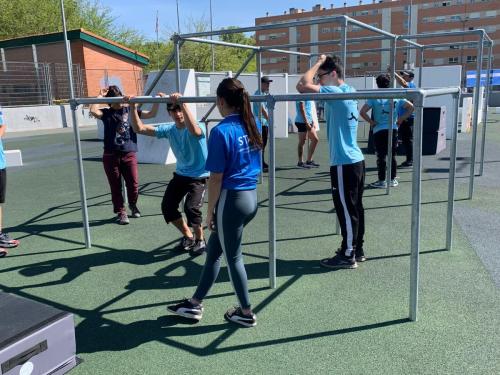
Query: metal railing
{"x": 28, "y": 83}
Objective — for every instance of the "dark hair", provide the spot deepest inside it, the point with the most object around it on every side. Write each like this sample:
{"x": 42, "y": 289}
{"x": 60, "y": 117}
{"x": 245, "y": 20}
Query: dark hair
{"x": 172, "y": 107}
{"x": 383, "y": 81}
{"x": 333, "y": 64}
{"x": 113, "y": 91}
{"x": 235, "y": 95}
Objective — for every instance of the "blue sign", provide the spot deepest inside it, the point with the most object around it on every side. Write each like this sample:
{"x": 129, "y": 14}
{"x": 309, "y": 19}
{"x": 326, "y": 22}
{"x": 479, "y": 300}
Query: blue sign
{"x": 494, "y": 78}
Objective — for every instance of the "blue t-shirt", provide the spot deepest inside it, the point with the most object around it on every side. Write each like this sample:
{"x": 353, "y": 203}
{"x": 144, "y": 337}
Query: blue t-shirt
{"x": 230, "y": 153}
{"x": 381, "y": 112}
{"x": 3, "y": 164}
{"x": 308, "y": 110}
{"x": 189, "y": 150}
{"x": 342, "y": 127}
{"x": 256, "y": 106}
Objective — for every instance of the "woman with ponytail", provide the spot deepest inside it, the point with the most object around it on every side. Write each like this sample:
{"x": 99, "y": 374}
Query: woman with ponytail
{"x": 233, "y": 160}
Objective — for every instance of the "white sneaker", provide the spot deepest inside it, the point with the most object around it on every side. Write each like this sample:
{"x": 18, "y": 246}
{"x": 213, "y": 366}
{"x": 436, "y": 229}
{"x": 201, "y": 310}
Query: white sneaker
{"x": 379, "y": 184}
{"x": 394, "y": 183}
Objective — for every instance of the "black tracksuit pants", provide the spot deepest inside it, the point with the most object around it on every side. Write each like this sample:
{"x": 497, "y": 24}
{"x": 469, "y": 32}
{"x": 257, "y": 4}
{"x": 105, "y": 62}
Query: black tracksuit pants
{"x": 347, "y": 190}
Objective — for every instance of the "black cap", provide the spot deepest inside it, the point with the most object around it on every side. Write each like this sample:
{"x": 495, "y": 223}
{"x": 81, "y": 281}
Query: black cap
{"x": 265, "y": 79}
{"x": 408, "y": 73}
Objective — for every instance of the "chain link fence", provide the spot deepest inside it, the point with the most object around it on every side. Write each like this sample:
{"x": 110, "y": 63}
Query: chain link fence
{"x": 27, "y": 83}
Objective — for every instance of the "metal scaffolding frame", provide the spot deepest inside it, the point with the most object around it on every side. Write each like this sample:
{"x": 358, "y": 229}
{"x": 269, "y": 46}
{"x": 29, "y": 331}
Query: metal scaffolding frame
{"x": 417, "y": 95}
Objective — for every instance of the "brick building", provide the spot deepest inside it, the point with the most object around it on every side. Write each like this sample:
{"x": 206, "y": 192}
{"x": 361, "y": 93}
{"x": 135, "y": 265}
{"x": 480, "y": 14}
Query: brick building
{"x": 36, "y": 65}
{"x": 424, "y": 16}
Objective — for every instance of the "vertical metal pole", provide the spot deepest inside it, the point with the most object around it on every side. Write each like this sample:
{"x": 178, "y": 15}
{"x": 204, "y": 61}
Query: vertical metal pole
{"x": 272, "y": 195}
{"x": 211, "y": 37}
{"x": 391, "y": 116}
{"x": 476, "y": 116}
{"x": 421, "y": 68}
{"x": 344, "y": 44}
{"x": 4, "y": 63}
{"x": 485, "y": 110}
{"x": 416, "y": 206}
{"x": 76, "y": 130}
{"x": 451, "y": 178}
{"x": 177, "y": 64}
{"x": 259, "y": 87}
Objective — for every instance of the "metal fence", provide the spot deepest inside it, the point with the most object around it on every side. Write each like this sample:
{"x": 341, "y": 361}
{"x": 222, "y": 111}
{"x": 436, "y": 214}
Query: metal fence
{"x": 28, "y": 83}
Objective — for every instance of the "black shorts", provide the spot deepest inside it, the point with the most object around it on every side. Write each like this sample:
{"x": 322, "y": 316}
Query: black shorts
{"x": 3, "y": 184}
{"x": 301, "y": 127}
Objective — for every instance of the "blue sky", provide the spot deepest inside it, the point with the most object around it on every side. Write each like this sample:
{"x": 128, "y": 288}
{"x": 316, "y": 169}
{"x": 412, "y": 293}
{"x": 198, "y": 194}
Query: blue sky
{"x": 142, "y": 15}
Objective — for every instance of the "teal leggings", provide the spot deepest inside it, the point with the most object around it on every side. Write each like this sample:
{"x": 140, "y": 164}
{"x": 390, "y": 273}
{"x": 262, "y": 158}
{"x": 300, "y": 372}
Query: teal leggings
{"x": 235, "y": 209}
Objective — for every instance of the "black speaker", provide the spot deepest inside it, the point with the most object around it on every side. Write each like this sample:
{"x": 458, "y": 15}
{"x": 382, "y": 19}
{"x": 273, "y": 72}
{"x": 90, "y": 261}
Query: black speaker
{"x": 434, "y": 130}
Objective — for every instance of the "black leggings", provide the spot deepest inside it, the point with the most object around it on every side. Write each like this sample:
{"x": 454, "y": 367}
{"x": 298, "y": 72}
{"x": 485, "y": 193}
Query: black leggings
{"x": 235, "y": 209}
{"x": 406, "y": 130}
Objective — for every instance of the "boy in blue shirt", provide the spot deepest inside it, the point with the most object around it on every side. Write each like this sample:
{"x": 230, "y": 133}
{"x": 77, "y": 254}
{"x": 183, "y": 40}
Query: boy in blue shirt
{"x": 259, "y": 110}
{"x": 347, "y": 166}
{"x": 406, "y": 128}
{"x": 304, "y": 121}
{"x": 187, "y": 139}
{"x": 5, "y": 241}
{"x": 380, "y": 124}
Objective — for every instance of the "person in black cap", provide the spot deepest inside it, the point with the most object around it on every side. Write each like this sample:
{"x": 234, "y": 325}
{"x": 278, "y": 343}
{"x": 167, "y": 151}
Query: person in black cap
{"x": 260, "y": 111}
{"x": 406, "y": 128}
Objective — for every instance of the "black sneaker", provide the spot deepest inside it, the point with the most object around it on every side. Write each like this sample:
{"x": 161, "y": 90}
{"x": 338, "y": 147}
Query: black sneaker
{"x": 301, "y": 164}
{"x": 312, "y": 164}
{"x": 187, "y": 243}
{"x": 199, "y": 248}
{"x": 187, "y": 309}
{"x": 406, "y": 164}
{"x": 7, "y": 242}
{"x": 360, "y": 255}
{"x": 235, "y": 315}
{"x": 340, "y": 260}
{"x": 135, "y": 211}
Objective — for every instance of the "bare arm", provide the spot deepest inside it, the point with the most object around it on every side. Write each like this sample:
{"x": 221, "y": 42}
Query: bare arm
{"x": 138, "y": 125}
{"x": 154, "y": 109}
{"x": 401, "y": 80}
{"x": 214, "y": 189}
{"x": 303, "y": 112}
{"x": 364, "y": 114}
{"x": 306, "y": 82}
{"x": 2, "y": 130}
{"x": 191, "y": 123}
{"x": 409, "y": 110}
{"x": 95, "y": 109}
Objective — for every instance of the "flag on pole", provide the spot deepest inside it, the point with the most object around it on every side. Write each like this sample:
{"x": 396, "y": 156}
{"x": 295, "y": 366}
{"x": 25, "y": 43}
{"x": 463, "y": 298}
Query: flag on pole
{"x": 157, "y": 23}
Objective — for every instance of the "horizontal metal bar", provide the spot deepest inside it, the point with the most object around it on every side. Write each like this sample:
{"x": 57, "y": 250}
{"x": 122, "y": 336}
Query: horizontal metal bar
{"x": 446, "y": 33}
{"x": 218, "y": 42}
{"x": 288, "y": 52}
{"x": 265, "y": 27}
{"x": 442, "y": 91}
{"x": 369, "y": 27}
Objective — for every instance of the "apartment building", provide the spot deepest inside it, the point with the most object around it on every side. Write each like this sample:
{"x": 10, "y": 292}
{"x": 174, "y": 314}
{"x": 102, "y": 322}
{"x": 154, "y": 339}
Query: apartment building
{"x": 399, "y": 17}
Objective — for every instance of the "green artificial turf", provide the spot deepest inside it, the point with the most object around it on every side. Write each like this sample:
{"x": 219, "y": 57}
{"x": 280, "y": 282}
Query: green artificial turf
{"x": 315, "y": 321}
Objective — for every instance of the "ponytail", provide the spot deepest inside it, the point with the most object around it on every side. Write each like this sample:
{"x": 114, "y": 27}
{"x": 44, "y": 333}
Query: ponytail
{"x": 249, "y": 120}
{"x": 234, "y": 93}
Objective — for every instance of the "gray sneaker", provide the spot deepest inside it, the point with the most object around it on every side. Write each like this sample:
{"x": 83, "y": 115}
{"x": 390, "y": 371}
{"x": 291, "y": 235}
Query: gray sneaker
{"x": 135, "y": 211}
{"x": 199, "y": 248}
{"x": 379, "y": 185}
{"x": 122, "y": 218}
{"x": 301, "y": 164}
{"x": 312, "y": 164}
{"x": 187, "y": 243}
